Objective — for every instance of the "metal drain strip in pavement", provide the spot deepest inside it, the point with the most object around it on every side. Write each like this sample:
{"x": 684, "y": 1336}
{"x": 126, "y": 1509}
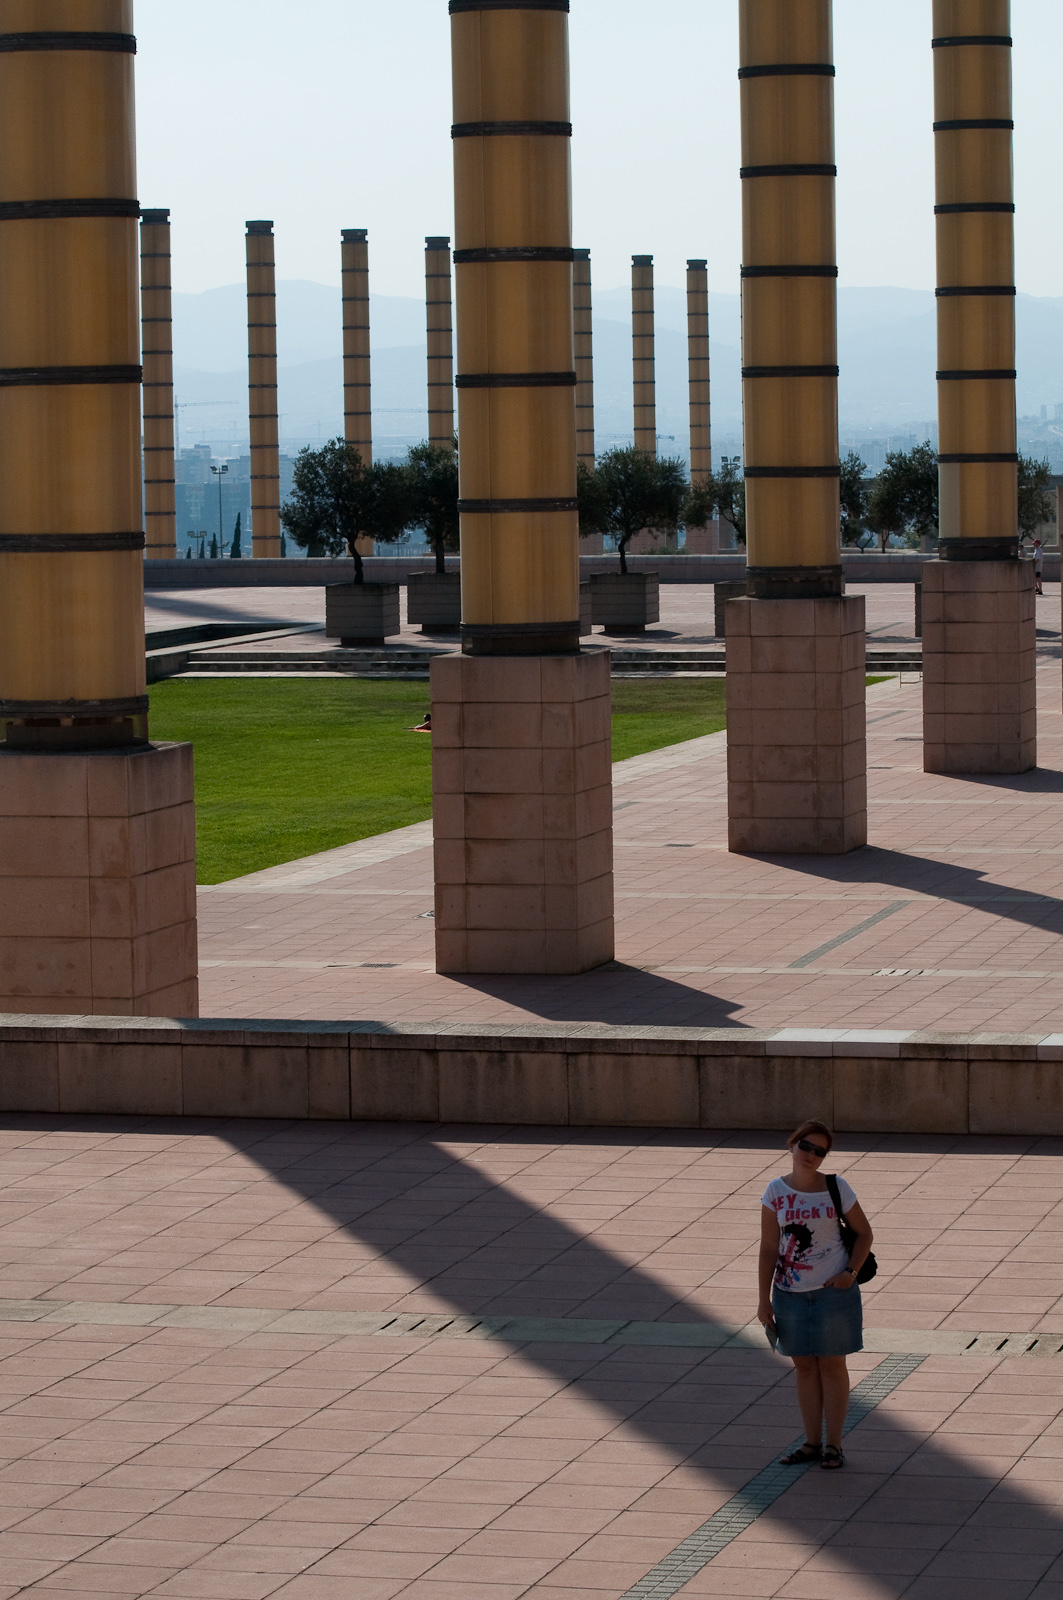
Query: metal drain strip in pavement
{"x": 613, "y": 1333}
{"x": 693, "y": 1554}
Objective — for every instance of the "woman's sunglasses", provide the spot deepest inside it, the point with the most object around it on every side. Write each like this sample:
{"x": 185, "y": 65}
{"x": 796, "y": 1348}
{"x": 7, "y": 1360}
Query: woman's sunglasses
{"x": 813, "y": 1149}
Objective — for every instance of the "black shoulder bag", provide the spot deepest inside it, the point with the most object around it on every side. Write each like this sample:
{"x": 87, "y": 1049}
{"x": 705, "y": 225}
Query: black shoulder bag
{"x": 870, "y": 1266}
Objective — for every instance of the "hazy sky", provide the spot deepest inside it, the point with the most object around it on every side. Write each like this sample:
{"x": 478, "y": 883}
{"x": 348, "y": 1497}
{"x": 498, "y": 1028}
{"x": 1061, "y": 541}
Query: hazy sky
{"x": 325, "y": 114}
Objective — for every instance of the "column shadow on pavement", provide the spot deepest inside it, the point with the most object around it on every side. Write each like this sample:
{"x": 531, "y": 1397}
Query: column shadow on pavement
{"x": 615, "y": 994}
{"x": 923, "y": 1516}
{"x": 926, "y": 875}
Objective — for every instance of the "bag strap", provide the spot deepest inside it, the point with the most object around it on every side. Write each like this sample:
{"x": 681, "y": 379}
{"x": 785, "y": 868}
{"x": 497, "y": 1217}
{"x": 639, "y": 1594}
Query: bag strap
{"x": 835, "y": 1194}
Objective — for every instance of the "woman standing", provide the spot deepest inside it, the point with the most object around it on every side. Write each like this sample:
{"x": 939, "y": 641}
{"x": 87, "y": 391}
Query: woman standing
{"x": 808, "y": 1288}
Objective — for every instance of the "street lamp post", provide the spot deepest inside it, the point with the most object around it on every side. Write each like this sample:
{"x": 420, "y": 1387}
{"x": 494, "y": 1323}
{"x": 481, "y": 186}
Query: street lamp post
{"x": 219, "y": 473}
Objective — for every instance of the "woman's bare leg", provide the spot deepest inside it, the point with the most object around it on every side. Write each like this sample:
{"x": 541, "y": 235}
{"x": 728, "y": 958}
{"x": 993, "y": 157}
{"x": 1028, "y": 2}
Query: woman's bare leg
{"x": 810, "y": 1396}
{"x": 833, "y": 1378}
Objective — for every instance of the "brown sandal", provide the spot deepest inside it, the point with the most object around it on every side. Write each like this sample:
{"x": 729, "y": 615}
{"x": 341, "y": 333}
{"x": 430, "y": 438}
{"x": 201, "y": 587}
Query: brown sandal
{"x": 803, "y": 1455}
{"x": 832, "y": 1459}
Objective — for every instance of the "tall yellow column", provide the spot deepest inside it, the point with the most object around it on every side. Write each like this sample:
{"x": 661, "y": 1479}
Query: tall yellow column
{"x": 698, "y": 370}
{"x": 439, "y": 296}
{"x": 88, "y": 924}
{"x": 795, "y": 647}
{"x": 156, "y": 320}
{"x": 583, "y": 332}
{"x": 978, "y": 703}
{"x": 521, "y": 754}
{"x": 642, "y": 348}
{"x": 262, "y": 391}
{"x": 357, "y": 391}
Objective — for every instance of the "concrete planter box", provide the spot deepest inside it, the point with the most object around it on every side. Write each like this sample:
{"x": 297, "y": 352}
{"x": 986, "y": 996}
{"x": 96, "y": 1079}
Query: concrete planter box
{"x": 361, "y": 613}
{"x": 624, "y": 602}
{"x": 434, "y": 600}
{"x": 721, "y": 593}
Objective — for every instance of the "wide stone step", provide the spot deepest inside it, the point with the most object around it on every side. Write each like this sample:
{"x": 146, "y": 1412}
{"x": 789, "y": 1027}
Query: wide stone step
{"x": 395, "y": 662}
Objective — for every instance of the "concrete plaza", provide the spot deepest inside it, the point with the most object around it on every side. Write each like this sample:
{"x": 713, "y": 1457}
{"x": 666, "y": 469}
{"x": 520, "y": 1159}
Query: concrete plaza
{"x": 950, "y": 919}
{"x": 244, "y": 1359}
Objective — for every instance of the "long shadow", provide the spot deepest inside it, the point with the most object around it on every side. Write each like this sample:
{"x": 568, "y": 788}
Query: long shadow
{"x": 209, "y": 610}
{"x": 615, "y": 994}
{"x": 947, "y": 880}
{"x": 484, "y": 1250}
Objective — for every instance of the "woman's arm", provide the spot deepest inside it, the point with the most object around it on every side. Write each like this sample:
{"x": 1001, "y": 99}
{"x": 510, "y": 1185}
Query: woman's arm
{"x": 766, "y": 1262}
{"x": 860, "y": 1251}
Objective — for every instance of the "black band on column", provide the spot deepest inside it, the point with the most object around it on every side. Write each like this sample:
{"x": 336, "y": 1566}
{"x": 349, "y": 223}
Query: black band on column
{"x": 961, "y": 125}
{"x": 518, "y": 252}
{"x": 489, "y": 130}
{"x": 507, "y": 5}
{"x": 1005, "y": 549}
{"x": 487, "y": 508}
{"x": 520, "y": 638}
{"x": 956, "y": 290}
{"x": 962, "y": 208}
{"x": 789, "y": 272}
{"x": 42, "y": 377}
{"x": 794, "y": 583}
{"x": 112, "y": 43}
{"x": 972, "y": 38}
{"x": 515, "y": 380}
{"x": 36, "y": 210}
{"x": 792, "y": 472}
{"x": 790, "y": 372}
{"x": 1003, "y": 373}
{"x": 788, "y": 69}
{"x": 1008, "y": 458}
{"x": 131, "y": 706}
{"x": 62, "y": 544}
{"x": 803, "y": 169}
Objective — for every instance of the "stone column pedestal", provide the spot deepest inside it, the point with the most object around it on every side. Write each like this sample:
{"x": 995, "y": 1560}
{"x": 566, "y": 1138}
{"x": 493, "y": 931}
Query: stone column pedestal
{"x": 522, "y": 812}
{"x": 979, "y": 665}
{"x": 98, "y": 882}
{"x": 796, "y": 737}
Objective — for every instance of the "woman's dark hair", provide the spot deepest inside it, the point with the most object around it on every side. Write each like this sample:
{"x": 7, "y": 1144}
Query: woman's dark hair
{"x": 803, "y": 1130}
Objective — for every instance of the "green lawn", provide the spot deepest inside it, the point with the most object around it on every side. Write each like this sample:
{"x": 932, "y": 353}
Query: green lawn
{"x": 288, "y": 767}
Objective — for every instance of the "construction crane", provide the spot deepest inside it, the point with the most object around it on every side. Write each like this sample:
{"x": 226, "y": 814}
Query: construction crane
{"x": 197, "y": 405}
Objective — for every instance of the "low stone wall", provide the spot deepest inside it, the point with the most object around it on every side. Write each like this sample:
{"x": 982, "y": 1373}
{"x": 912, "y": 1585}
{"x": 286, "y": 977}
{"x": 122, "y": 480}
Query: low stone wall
{"x": 591, "y": 1076}
{"x": 861, "y": 566}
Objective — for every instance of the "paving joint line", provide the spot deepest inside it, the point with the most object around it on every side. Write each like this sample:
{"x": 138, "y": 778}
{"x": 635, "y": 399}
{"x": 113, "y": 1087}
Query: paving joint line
{"x": 610, "y": 1333}
{"x": 843, "y": 938}
{"x": 675, "y": 1570}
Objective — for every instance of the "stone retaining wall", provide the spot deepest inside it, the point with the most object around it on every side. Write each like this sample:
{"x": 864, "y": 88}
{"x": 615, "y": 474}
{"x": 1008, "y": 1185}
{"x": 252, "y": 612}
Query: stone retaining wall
{"x": 859, "y": 1081}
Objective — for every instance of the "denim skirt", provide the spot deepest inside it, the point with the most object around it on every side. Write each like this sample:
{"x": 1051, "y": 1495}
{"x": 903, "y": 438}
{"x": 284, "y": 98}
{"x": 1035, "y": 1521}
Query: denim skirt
{"x": 819, "y": 1322}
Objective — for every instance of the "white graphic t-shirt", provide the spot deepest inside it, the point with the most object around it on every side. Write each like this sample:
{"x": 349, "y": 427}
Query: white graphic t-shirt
{"x": 810, "y": 1241}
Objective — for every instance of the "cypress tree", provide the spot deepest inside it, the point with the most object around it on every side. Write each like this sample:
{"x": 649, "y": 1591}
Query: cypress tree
{"x": 214, "y": 547}
{"x": 235, "y": 553}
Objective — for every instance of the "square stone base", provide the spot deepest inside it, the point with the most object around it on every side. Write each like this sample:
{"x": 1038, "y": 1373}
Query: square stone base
{"x": 98, "y": 882}
{"x": 522, "y": 813}
{"x": 979, "y": 666}
{"x": 796, "y": 737}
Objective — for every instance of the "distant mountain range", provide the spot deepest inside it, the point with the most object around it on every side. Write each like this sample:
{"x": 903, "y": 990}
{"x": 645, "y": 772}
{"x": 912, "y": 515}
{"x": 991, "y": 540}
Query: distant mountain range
{"x": 886, "y": 354}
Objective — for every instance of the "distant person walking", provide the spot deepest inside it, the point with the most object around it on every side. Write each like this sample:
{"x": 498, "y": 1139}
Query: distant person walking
{"x": 809, "y": 1292}
{"x": 1038, "y": 564}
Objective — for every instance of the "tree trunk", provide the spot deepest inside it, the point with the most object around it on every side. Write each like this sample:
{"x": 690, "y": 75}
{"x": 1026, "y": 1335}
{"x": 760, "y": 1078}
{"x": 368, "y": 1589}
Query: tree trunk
{"x": 359, "y": 572}
{"x": 441, "y": 556}
{"x": 622, "y": 548}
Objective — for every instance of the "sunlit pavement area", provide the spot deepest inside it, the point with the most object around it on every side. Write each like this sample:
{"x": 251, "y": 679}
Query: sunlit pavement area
{"x": 951, "y": 919}
{"x": 250, "y": 1359}
{"x": 686, "y": 616}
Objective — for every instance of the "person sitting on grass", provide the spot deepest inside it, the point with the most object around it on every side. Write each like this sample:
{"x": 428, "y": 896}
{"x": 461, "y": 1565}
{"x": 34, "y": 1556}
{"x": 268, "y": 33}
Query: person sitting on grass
{"x": 426, "y": 725}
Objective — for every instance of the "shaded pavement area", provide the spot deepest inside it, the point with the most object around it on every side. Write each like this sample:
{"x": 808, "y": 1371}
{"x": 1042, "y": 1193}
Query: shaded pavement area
{"x": 203, "y": 1458}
